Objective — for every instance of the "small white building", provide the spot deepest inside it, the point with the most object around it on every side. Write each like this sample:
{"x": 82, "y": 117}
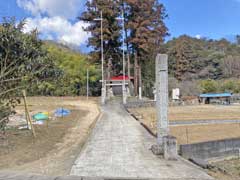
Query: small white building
{"x": 176, "y": 94}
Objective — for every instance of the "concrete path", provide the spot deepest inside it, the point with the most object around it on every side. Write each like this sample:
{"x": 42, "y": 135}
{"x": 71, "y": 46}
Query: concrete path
{"x": 119, "y": 147}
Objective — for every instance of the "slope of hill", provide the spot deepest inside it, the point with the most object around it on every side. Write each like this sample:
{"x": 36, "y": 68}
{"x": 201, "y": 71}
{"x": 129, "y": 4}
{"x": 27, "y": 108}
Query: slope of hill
{"x": 72, "y": 66}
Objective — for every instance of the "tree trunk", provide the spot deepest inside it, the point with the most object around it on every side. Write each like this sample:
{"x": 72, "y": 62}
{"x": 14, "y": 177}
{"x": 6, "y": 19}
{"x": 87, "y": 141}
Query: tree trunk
{"x": 129, "y": 65}
{"x": 109, "y": 69}
{"x": 136, "y": 74}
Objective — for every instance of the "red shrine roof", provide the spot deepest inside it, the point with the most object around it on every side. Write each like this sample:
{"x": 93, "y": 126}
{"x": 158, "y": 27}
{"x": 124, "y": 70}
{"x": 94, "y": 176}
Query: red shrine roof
{"x": 119, "y": 78}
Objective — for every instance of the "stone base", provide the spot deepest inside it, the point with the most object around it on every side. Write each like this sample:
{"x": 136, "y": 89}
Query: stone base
{"x": 157, "y": 150}
{"x": 109, "y": 94}
{"x": 168, "y": 149}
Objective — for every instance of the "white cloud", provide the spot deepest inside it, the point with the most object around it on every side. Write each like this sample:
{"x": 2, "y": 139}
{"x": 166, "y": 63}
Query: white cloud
{"x": 59, "y": 28}
{"x": 198, "y": 36}
{"x": 53, "y": 19}
{"x": 64, "y": 8}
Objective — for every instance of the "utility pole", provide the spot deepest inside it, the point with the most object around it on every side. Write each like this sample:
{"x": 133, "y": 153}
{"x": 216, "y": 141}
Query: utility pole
{"x": 123, "y": 56}
{"x": 124, "y": 63}
{"x": 103, "y": 90}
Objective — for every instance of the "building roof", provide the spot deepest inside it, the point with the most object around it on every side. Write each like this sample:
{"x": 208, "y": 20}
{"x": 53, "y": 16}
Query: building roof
{"x": 215, "y": 95}
{"x": 119, "y": 78}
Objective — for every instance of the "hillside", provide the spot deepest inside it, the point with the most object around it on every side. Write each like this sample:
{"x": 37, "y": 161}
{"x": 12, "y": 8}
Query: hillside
{"x": 192, "y": 58}
{"x": 71, "y": 68}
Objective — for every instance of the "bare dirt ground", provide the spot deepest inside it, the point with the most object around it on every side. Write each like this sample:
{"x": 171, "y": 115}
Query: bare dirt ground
{"x": 57, "y": 144}
{"x": 195, "y": 133}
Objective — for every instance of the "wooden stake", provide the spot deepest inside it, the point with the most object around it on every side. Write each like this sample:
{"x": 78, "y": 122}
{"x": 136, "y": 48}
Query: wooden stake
{"x": 27, "y": 113}
{"x": 25, "y": 107}
{"x": 87, "y": 83}
{"x": 26, "y": 116}
{"x": 48, "y": 120}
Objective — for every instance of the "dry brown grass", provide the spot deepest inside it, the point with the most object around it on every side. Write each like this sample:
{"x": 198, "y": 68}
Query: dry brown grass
{"x": 201, "y": 112}
{"x": 196, "y": 133}
{"x": 202, "y": 133}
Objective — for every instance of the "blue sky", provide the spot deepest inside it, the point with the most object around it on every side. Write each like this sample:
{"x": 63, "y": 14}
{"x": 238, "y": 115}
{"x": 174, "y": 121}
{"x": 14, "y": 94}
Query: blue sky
{"x": 208, "y": 18}
{"x": 10, "y": 8}
{"x": 56, "y": 19}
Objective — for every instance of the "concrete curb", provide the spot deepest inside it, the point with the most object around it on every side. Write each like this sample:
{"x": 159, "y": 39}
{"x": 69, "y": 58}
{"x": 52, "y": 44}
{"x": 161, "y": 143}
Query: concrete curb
{"x": 142, "y": 124}
{"x": 20, "y": 176}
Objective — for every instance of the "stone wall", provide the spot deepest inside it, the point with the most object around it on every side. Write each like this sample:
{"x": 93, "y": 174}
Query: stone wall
{"x": 212, "y": 149}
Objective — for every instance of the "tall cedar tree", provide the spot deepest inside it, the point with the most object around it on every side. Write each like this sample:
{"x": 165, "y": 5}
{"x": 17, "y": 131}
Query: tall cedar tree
{"x": 145, "y": 23}
{"x": 111, "y": 29}
{"x": 146, "y": 29}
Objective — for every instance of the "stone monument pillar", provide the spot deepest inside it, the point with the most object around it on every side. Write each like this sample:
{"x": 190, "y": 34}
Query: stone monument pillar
{"x": 166, "y": 145}
{"x": 162, "y": 96}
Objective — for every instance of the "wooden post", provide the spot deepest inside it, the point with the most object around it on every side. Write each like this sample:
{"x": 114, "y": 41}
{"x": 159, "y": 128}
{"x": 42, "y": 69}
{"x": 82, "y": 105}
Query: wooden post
{"x": 87, "y": 83}
{"x": 27, "y": 113}
{"x": 140, "y": 82}
{"x": 25, "y": 107}
{"x": 48, "y": 120}
{"x": 26, "y": 116}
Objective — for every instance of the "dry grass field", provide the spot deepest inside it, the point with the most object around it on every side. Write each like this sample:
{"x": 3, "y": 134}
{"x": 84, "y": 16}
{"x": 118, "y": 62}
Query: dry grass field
{"x": 201, "y": 112}
{"x": 57, "y": 143}
{"x": 196, "y": 133}
{"x": 203, "y": 133}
